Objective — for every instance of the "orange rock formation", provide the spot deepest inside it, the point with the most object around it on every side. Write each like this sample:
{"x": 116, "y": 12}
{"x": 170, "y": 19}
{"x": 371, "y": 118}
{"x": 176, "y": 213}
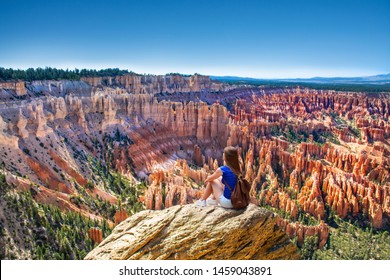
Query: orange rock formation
{"x": 120, "y": 216}
{"x": 343, "y": 168}
{"x": 96, "y": 235}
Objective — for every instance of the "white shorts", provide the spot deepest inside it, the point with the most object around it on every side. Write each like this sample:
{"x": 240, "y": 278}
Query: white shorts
{"x": 225, "y": 203}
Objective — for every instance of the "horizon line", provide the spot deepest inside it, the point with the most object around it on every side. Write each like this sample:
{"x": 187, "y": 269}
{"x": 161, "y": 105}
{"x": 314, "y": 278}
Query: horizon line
{"x": 245, "y": 76}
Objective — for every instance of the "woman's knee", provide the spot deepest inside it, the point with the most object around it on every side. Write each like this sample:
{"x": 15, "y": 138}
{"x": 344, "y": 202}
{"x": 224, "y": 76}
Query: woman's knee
{"x": 217, "y": 184}
{"x": 217, "y": 188}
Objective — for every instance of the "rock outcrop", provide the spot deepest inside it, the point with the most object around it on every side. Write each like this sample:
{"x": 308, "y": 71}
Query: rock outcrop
{"x": 96, "y": 235}
{"x": 197, "y": 157}
{"x": 176, "y": 185}
{"x": 18, "y": 87}
{"x": 120, "y": 216}
{"x": 302, "y": 231}
{"x": 189, "y": 233}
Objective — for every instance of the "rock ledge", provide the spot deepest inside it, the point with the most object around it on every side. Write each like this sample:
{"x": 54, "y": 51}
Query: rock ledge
{"x": 189, "y": 232}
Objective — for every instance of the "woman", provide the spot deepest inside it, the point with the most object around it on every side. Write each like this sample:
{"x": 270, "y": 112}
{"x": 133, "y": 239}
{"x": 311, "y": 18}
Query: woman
{"x": 221, "y": 184}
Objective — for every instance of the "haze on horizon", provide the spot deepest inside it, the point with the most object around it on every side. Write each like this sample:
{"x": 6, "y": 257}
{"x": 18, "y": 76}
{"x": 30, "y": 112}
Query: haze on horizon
{"x": 259, "y": 39}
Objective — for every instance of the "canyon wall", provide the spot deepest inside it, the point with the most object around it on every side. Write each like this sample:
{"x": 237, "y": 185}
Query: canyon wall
{"x": 62, "y": 130}
{"x": 151, "y": 84}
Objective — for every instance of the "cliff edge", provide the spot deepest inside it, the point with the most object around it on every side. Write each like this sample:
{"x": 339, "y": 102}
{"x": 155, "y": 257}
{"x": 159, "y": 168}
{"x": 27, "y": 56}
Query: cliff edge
{"x": 189, "y": 233}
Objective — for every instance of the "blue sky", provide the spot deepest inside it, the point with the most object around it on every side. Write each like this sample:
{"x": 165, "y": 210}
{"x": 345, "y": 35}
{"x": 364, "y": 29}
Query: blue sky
{"x": 263, "y": 39}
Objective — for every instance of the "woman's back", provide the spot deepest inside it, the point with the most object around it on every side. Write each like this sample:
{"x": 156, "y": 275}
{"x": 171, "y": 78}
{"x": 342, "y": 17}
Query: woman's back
{"x": 229, "y": 179}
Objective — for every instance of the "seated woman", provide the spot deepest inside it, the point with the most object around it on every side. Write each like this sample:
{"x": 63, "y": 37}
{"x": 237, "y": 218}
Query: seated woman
{"x": 219, "y": 186}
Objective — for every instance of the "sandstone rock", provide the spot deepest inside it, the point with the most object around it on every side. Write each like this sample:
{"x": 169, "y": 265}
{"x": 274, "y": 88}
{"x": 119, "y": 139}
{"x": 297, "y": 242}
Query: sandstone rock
{"x": 21, "y": 124}
{"x": 171, "y": 182}
{"x": 120, "y": 216}
{"x": 5, "y": 138}
{"x": 189, "y": 232}
{"x": 59, "y": 107}
{"x": 197, "y": 156}
{"x": 96, "y": 235}
{"x": 150, "y": 84}
{"x": 18, "y": 87}
{"x": 304, "y": 231}
{"x": 93, "y": 81}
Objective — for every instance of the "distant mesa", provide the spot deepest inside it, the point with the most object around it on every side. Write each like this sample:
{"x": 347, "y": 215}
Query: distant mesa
{"x": 381, "y": 79}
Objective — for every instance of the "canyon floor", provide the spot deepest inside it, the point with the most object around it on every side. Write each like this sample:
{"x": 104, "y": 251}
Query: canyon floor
{"x": 79, "y": 157}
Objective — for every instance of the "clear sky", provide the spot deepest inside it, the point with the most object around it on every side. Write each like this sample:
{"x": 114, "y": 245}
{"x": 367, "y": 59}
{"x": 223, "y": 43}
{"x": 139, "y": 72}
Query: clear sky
{"x": 262, "y": 39}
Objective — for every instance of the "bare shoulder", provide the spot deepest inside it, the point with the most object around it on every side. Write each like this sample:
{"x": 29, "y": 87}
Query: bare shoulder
{"x": 218, "y": 171}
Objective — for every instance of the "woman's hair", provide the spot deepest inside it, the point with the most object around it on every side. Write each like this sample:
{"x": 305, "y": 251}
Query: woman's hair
{"x": 231, "y": 159}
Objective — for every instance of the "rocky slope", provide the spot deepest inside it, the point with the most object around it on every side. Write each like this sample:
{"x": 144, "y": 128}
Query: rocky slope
{"x": 191, "y": 233}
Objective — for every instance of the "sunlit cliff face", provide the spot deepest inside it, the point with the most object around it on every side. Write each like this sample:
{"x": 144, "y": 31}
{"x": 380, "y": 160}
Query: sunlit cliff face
{"x": 61, "y": 134}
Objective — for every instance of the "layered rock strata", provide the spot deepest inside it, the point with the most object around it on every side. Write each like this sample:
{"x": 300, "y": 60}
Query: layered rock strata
{"x": 190, "y": 233}
{"x": 150, "y": 84}
{"x": 18, "y": 87}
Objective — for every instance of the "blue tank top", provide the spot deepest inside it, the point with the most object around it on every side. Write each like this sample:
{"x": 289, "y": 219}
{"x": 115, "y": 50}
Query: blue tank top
{"x": 230, "y": 178}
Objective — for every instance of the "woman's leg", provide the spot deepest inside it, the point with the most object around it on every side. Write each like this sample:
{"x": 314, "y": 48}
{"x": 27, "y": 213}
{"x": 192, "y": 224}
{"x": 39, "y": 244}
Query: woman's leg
{"x": 212, "y": 195}
{"x": 217, "y": 189}
{"x": 213, "y": 188}
{"x": 207, "y": 191}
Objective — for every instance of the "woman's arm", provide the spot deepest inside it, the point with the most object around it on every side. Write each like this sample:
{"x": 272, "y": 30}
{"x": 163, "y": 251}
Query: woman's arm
{"x": 215, "y": 175}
